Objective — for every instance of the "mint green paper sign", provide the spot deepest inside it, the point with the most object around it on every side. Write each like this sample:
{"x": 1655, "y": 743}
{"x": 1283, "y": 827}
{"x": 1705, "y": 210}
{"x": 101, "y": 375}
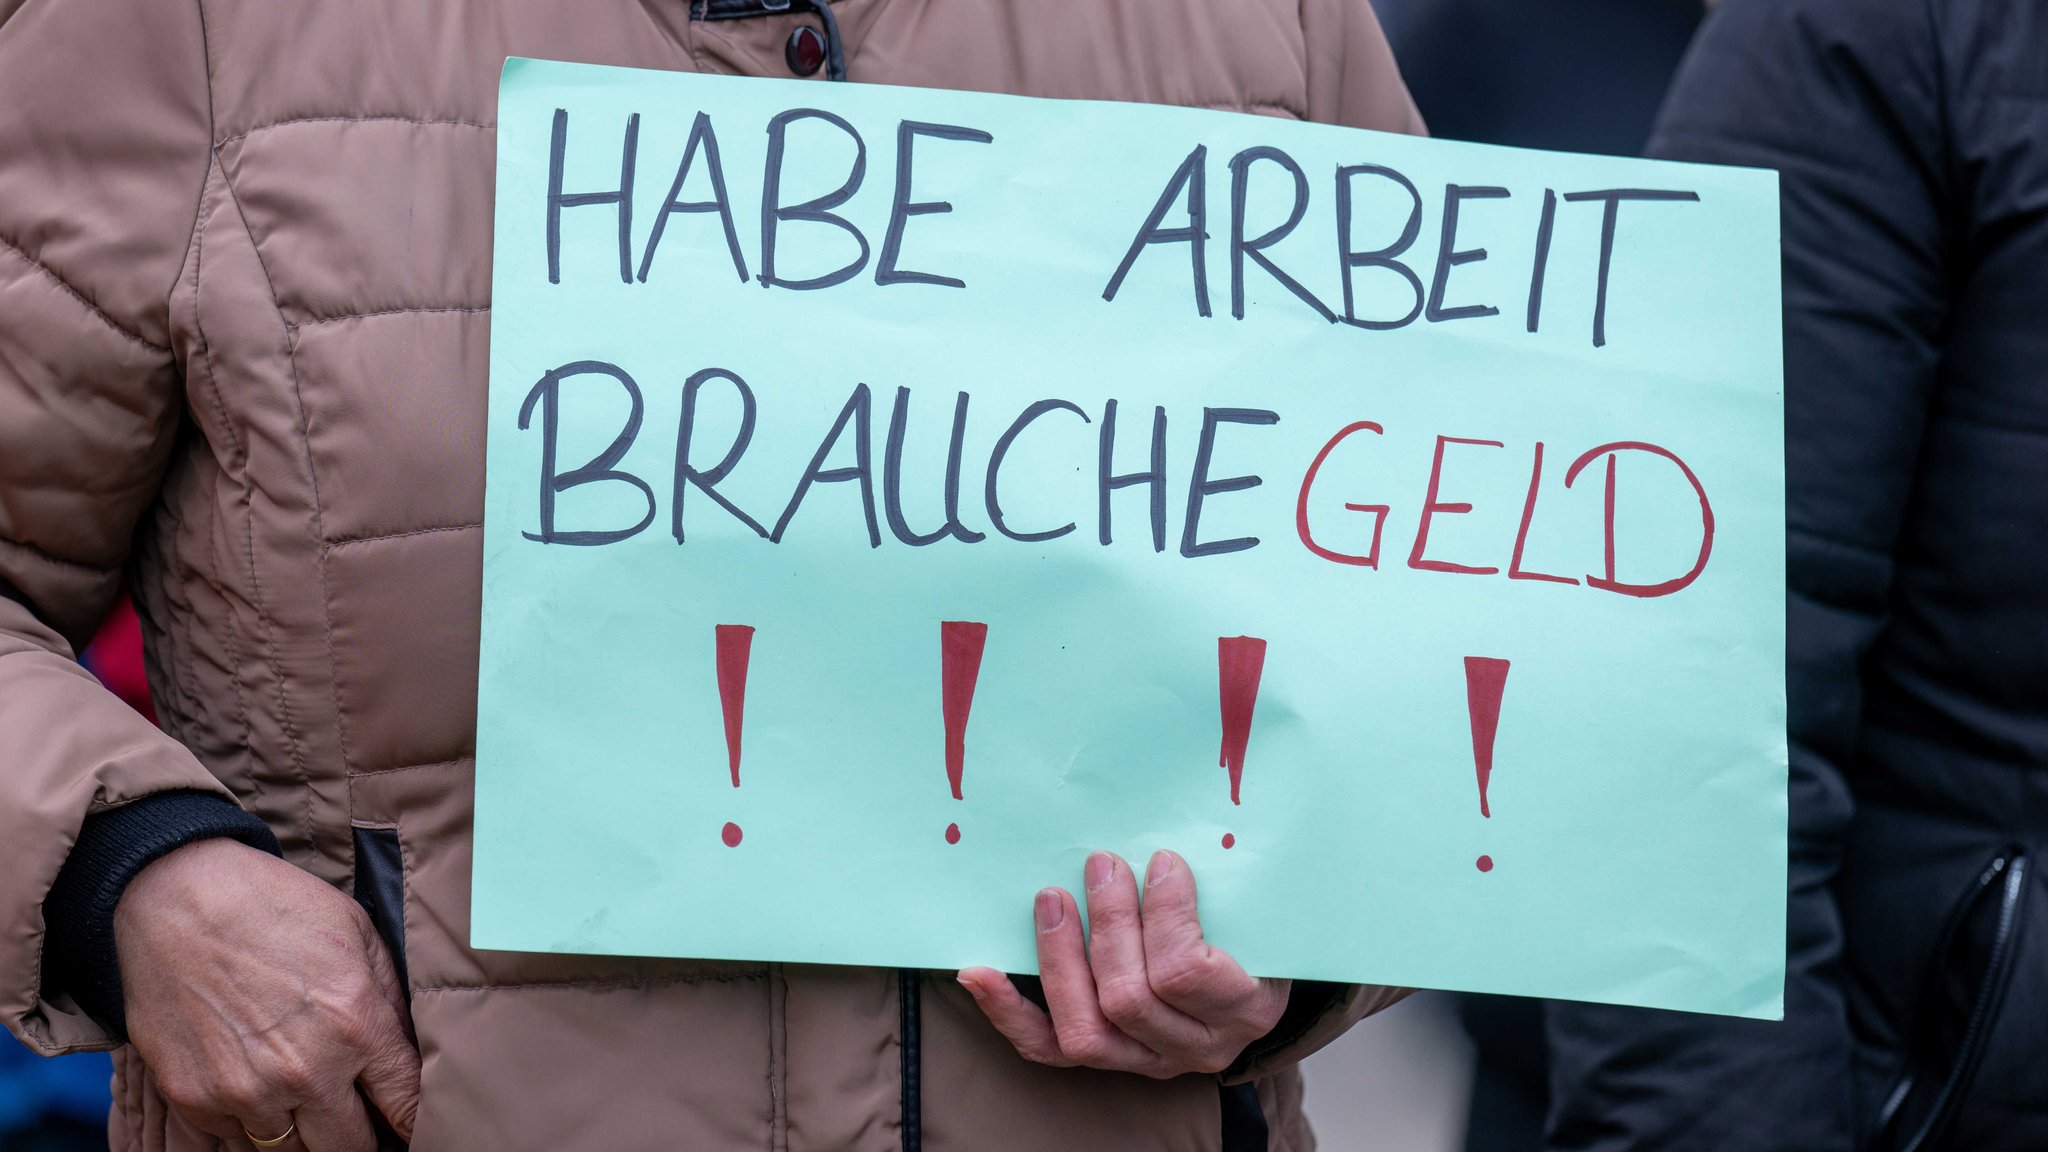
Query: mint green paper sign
{"x": 895, "y": 495}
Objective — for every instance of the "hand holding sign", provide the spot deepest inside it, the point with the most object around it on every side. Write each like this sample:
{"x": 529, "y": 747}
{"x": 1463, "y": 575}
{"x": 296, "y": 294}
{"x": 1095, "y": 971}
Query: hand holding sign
{"x": 1145, "y": 993}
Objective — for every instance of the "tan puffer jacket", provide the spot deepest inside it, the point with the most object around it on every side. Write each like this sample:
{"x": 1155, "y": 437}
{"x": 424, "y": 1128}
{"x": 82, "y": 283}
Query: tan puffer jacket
{"x": 245, "y": 253}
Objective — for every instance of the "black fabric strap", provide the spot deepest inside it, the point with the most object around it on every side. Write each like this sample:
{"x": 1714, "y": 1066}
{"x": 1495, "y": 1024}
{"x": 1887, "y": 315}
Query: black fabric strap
{"x": 1244, "y": 1119}
{"x": 113, "y": 847}
{"x": 742, "y": 9}
{"x": 909, "y": 999}
{"x": 380, "y": 889}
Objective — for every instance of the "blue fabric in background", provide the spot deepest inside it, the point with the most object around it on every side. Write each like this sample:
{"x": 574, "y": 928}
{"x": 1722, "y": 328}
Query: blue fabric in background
{"x": 34, "y": 1090}
{"x": 1576, "y": 75}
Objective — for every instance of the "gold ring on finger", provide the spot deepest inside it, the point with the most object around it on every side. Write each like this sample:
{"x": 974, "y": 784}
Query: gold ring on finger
{"x": 274, "y": 1141}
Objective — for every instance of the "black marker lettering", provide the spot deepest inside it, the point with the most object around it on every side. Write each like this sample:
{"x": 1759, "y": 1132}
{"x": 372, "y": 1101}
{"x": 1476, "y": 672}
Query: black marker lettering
{"x": 1153, "y": 477}
{"x": 902, "y": 208}
{"x": 1201, "y": 487}
{"x": 1541, "y": 264}
{"x": 892, "y": 476}
{"x": 857, "y": 412}
{"x": 707, "y": 479}
{"x": 1193, "y": 176}
{"x": 622, "y": 198}
{"x": 995, "y": 465}
{"x": 1611, "y": 199}
{"x": 548, "y": 394}
{"x": 1240, "y": 170}
{"x": 1380, "y": 257}
{"x": 701, "y": 136}
{"x": 774, "y": 212}
{"x": 1448, "y": 257}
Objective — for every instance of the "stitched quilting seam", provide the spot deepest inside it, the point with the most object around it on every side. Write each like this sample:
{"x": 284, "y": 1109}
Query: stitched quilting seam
{"x": 1252, "y": 106}
{"x": 248, "y": 735}
{"x": 341, "y": 725}
{"x": 47, "y": 558}
{"x": 319, "y": 530}
{"x": 442, "y": 121}
{"x": 375, "y": 538}
{"x": 234, "y": 643}
{"x": 339, "y": 317}
{"x": 98, "y": 313}
{"x": 212, "y": 382}
{"x": 162, "y": 544}
{"x": 369, "y": 772}
{"x": 212, "y": 126}
{"x": 291, "y": 734}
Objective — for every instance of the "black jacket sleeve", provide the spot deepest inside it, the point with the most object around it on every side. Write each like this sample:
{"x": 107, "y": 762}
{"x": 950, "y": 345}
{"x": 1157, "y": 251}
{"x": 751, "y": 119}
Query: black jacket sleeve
{"x": 1843, "y": 98}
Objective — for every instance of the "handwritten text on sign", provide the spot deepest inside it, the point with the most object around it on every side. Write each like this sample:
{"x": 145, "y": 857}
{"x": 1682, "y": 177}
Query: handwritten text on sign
{"x": 869, "y": 462}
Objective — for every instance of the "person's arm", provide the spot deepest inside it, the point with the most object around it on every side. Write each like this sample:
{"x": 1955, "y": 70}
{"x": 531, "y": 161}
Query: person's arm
{"x": 124, "y": 879}
{"x": 1843, "y": 98}
{"x": 104, "y": 146}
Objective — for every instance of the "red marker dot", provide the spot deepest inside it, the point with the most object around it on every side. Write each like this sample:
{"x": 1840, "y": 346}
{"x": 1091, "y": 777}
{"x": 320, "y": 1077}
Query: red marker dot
{"x": 1486, "y": 863}
{"x": 952, "y": 833}
{"x": 731, "y": 835}
{"x": 1229, "y": 840}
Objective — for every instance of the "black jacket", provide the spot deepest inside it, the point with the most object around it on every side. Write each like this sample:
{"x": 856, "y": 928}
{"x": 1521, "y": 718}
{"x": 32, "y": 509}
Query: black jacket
{"x": 1912, "y": 141}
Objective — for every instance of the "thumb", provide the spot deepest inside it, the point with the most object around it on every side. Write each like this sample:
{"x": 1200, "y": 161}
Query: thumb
{"x": 391, "y": 1078}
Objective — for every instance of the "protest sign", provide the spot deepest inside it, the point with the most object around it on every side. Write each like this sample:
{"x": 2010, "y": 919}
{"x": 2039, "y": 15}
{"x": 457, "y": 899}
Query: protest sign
{"x": 895, "y": 494}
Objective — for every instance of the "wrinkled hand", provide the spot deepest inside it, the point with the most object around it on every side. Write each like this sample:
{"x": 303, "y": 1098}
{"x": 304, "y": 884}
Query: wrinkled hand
{"x": 262, "y": 999}
{"x": 1145, "y": 994}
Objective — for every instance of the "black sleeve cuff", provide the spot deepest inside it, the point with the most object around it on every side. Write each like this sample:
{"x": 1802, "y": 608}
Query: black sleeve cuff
{"x": 113, "y": 847}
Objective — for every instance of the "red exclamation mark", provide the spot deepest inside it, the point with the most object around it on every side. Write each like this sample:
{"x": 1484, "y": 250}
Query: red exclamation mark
{"x": 1239, "y": 661}
{"x": 1485, "y": 679}
{"x": 960, "y": 646}
{"x": 735, "y": 644}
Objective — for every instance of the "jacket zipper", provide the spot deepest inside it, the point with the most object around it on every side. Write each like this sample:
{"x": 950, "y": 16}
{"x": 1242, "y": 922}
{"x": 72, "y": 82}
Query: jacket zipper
{"x": 2012, "y": 864}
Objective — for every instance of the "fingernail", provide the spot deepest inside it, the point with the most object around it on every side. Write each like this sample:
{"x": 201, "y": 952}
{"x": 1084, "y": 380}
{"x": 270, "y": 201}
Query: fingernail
{"x": 1051, "y": 910}
{"x": 1162, "y": 866}
{"x": 973, "y": 989}
{"x": 1101, "y": 870}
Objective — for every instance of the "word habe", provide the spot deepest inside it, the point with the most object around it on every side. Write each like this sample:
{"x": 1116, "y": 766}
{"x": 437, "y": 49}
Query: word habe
{"x": 1240, "y": 662}
{"x": 881, "y": 488}
{"x": 1185, "y": 193}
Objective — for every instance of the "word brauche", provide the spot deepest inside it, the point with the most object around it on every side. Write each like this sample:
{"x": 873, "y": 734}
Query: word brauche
{"x": 1180, "y": 217}
{"x": 881, "y": 486}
